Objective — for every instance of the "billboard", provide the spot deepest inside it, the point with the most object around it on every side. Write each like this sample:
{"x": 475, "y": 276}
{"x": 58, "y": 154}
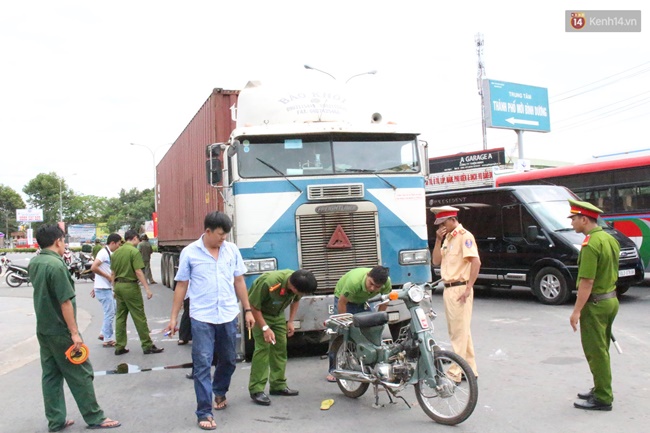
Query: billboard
{"x": 29, "y": 215}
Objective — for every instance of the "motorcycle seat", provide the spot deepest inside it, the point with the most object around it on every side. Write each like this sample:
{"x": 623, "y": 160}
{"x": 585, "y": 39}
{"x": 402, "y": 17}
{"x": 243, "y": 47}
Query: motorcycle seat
{"x": 369, "y": 319}
{"x": 24, "y": 268}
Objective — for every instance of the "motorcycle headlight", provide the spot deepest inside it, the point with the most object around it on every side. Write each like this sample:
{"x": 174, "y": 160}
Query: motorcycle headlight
{"x": 416, "y": 293}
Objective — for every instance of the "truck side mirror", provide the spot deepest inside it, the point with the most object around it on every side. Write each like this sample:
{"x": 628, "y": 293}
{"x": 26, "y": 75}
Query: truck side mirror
{"x": 532, "y": 234}
{"x": 213, "y": 170}
{"x": 232, "y": 150}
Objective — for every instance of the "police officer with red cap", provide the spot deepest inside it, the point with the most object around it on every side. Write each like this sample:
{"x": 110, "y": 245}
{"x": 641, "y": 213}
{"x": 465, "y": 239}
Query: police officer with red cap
{"x": 596, "y": 304}
{"x": 456, "y": 252}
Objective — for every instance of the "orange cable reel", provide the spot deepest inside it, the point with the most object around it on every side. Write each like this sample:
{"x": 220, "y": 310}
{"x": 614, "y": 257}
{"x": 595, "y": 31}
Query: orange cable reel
{"x": 78, "y": 357}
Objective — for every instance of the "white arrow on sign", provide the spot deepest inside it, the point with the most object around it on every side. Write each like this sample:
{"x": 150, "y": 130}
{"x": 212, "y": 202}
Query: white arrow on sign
{"x": 514, "y": 121}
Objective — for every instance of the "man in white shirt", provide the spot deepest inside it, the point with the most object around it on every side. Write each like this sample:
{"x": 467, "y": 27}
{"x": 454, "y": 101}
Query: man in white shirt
{"x": 216, "y": 269}
{"x": 103, "y": 288}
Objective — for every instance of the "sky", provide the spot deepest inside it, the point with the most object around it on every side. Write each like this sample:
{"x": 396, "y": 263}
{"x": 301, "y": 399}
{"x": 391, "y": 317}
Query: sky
{"x": 82, "y": 80}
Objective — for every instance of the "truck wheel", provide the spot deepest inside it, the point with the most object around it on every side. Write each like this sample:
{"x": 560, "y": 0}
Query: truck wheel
{"x": 163, "y": 270}
{"x": 551, "y": 287}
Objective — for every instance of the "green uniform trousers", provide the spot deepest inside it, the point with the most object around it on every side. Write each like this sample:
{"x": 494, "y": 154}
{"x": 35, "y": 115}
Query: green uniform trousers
{"x": 79, "y": 378}
{"x": 129, "y": 300}
{"x": 269, "y": 361}
{"x": 595, "y": 332}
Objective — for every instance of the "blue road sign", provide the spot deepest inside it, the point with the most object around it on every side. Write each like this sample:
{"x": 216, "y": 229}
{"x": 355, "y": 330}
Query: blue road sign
{"x": 516, "y": 106}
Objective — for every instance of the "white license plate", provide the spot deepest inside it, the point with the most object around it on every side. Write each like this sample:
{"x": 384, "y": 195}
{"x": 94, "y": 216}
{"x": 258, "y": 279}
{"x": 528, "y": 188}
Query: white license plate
{"x": 626, "y": 272}
{"x": 393, "y": 316}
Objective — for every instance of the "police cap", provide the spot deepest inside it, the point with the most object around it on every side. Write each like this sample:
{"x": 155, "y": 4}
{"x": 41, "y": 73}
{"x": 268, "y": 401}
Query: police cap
{"x": 584, "y": 208}
{"x": 443, "y": 213}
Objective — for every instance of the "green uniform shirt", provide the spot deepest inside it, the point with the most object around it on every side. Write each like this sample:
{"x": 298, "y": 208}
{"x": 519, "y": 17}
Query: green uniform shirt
{"x": 270, "y": 293}
{"x": 598, "y": 260}
{"x": 53, "y": 286}
{"x": 146, "y": 250}
{"x": 96, "y": 249}
{"x": 124, "y": 262}
{"x": 352, "y": 285}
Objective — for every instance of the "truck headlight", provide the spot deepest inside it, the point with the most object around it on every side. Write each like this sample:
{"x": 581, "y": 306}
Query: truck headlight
{"x": 259, "y": 266}
{"x": 414, "y": 257}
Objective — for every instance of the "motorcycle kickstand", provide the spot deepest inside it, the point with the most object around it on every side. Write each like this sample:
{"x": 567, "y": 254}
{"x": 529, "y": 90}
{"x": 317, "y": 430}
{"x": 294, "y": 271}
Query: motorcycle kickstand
{"x": 375, "y": 388}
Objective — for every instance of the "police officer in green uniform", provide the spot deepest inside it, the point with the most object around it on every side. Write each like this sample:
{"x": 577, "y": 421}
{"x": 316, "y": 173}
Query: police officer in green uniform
{"x": 126, "y": 266}
{"x": 269, "y": 296}
{"x": 596, "y": 304}
{"x": 56, "y": 330}
{"x": 97, "y": 247}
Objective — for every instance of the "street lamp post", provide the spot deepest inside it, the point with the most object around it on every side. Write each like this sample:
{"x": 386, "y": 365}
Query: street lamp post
{"x": 373, "y": 72}
{"x": 153, "y": 160}
{"x": 358, "y": 75}
{"x": 315, "y": 69}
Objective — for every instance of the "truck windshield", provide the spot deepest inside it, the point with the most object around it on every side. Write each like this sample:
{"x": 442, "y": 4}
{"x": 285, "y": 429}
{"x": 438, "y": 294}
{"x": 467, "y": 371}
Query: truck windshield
{"x": 327, "y": 154}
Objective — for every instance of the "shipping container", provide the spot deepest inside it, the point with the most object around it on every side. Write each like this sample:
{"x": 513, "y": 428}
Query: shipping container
{"x": 183, "y": 193}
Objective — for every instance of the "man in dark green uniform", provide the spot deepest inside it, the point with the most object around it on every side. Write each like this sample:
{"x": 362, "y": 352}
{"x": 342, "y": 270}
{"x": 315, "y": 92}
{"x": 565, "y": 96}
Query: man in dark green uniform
{"x": 269, "y": 296}
{"x": 97, "y": 247}
{"x": 146, "y": 251}
{"x": 596, "y": 304}
{"x": 56, "y": 330}
{"x": 126, "y": 266}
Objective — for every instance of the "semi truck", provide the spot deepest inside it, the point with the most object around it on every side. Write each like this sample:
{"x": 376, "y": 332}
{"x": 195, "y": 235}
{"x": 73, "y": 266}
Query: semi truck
{"x": 311, "y": 179}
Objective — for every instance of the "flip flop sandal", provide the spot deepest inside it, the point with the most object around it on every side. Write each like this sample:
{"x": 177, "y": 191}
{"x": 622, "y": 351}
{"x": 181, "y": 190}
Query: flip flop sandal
{"x": 212, "y": 426}
{"x": 220, "y": 403}
{"x": 326, "y": 404}
{"x": 109, "y": 344}
{"x": 67, "y": 424}
{"x": 330, "y": 378}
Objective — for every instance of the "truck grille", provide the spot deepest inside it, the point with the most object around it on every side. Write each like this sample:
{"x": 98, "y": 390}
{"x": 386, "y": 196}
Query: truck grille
{"x": 628, "y": 254}
{"x": 329, "y": 264}
{"x": 331, "y": 192}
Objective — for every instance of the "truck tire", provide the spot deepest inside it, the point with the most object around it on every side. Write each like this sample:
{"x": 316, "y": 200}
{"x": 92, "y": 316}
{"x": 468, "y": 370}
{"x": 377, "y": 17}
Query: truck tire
{"x": 172, "y": 264}
{"x": 163, "y": 269}
{"x": 551, "y": 287}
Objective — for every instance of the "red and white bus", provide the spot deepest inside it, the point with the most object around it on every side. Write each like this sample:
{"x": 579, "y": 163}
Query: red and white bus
{"x": 620, "y": 187}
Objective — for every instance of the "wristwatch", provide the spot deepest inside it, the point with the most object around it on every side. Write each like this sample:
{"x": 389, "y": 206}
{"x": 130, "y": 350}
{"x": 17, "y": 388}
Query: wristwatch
{"x": 265, "y": 328}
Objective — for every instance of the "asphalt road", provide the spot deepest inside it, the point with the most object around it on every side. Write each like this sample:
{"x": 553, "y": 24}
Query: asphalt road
{"x": 530, "y": 368}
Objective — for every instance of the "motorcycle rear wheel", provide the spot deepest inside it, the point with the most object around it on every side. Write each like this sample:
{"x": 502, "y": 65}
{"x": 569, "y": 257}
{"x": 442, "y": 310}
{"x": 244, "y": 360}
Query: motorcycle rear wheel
{"x": 443, "y": 400}
{"x": 13, "y": 280}
{"x": 344, "y": 356}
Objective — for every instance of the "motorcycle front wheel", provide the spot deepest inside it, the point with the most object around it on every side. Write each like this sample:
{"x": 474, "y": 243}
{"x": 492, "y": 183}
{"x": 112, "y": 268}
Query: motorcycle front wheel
{"x": 444, "y": 399}
{"x": 346, "y": 360}
{"x": 13, "y": 280}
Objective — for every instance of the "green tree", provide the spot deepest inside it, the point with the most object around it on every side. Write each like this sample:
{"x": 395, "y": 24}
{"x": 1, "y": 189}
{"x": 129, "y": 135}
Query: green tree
{"x": 132, "y": 208}
{"x": 10, "y": 200}
{"x": 47, "y": 191}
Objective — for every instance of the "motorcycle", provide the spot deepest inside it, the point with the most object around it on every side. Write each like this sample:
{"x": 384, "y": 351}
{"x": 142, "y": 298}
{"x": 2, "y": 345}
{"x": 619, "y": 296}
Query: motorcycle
{"x": 16, "y": 275}
{"x": 80, "y": 265}
{"x": 445, "y": 385}
{"x": 4, "y": 261}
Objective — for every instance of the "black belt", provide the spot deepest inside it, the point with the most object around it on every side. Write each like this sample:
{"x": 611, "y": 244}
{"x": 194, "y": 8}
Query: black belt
{"x": 456, "y": 283}
{"x": 124, "y": 280}
{"x": 601, "y": 297}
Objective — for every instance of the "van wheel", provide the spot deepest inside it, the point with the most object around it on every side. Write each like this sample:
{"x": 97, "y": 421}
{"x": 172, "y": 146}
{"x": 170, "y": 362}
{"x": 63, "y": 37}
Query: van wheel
{"x": 551, "y": 287}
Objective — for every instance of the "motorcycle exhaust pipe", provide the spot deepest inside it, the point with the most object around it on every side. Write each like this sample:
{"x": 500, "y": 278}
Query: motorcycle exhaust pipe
{"x": 356, "y": 376}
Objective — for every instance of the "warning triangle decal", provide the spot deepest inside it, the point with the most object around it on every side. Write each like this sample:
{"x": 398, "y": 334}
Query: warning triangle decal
{"x": 339, "y": 239}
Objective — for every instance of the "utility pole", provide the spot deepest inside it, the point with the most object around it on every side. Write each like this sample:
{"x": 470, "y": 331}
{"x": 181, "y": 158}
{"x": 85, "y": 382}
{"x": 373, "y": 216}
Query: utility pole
{"x": 480, "y": 76}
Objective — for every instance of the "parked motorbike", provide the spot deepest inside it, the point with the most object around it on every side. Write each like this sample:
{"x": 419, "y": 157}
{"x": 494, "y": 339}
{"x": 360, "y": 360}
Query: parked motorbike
{"x": 16, "y": 275}
{"x": 4, "y": 261}
{"x": 414, "y": 358}
{"x": 80, "y": 265}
